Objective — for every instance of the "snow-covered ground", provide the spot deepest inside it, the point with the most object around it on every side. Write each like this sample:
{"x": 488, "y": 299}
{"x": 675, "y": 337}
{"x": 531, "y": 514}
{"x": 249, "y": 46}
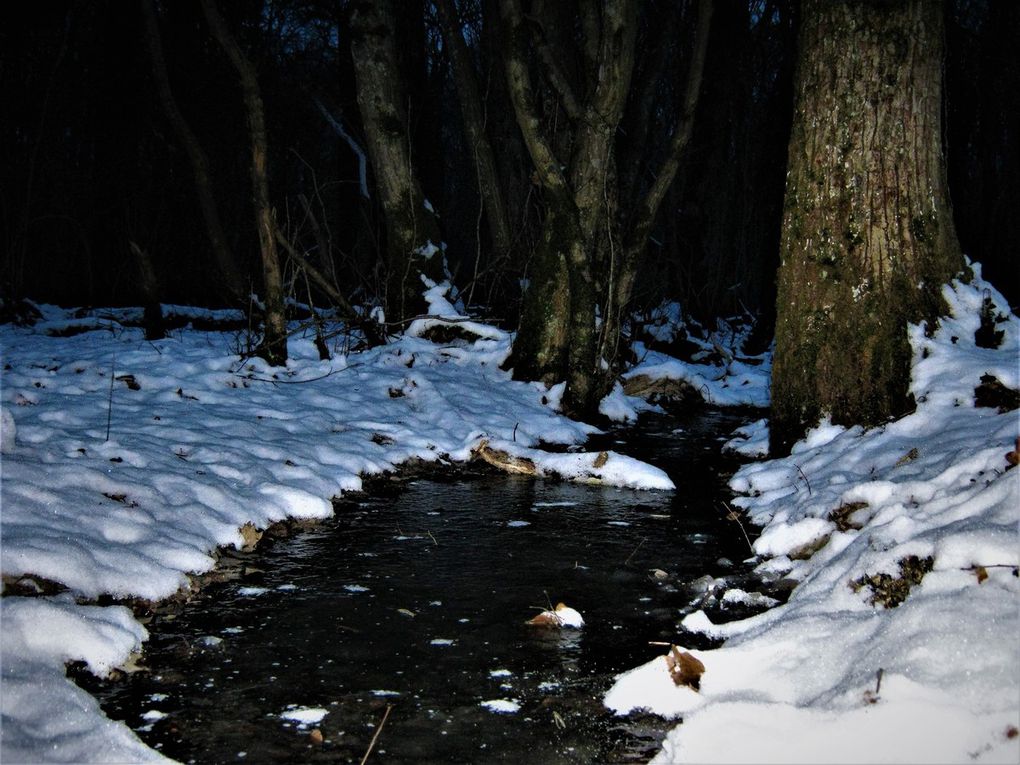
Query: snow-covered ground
{"x": 834, "y": 675}
{"x": 127, "y": 463}
{"x": 130, "y": 497}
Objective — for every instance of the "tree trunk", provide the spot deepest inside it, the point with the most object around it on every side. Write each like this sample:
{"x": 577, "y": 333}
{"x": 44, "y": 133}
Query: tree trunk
{"x": 648, "y": 207}
{"x": 412, "y": 231}
{"x": 582, "y": 236}
{"x": 274, "y": 342}
{"x": 226, "y": 264}
{"x": 868, "y": 237}
{"x": 473, "y": 114}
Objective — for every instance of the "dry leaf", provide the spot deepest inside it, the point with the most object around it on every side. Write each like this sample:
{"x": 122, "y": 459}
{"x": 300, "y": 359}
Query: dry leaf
{"x": 1013, "y": 457}
{"x": 315, "y": 736}
{"x": 908, "y": 457}
{"x": 562, "y": 616}
{"x": 250, "y": 535}
{"x": 982, "y": 573}
{"x": 684, "y": 668}
{"x": 601, "y": 460}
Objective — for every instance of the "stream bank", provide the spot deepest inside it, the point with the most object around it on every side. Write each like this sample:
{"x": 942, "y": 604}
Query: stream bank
{"x": 412, "y": 601}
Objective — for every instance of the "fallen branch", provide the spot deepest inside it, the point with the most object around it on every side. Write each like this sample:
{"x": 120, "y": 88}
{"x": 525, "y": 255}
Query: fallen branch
{"x": 371, "y": 744}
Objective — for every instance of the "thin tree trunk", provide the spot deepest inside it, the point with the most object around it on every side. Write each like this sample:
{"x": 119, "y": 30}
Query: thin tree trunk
{"x": 274, "y": 342}
{"x": 648, "y": 209}
{"x": 226, "y": 263}
{"x": 473, "y": 114}
{"x": 413, "y": 240}
{"x": 868, "y": 237}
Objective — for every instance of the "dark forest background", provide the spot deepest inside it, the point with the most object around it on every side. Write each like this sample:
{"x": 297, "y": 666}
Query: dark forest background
{"x": 89, "y": 163}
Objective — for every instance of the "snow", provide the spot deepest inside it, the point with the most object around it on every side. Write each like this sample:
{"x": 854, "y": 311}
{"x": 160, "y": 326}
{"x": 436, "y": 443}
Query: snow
{"x": 200, "y": 444}
{"x": 304, "y": 715}
{"x": 45, "y": 716}
{"x": 502, "y": 706}
{"x": 716, "y": 372}
{"x": 800, "y": 682}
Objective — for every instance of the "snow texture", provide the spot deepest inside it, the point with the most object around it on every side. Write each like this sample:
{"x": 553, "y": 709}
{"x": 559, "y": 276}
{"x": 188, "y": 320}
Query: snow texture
{"x": 126, "y": 463}
{"x": 800, "y": 683}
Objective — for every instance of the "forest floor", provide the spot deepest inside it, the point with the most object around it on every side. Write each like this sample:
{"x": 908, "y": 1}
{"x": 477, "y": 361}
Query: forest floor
{"x": 127, "y": 464}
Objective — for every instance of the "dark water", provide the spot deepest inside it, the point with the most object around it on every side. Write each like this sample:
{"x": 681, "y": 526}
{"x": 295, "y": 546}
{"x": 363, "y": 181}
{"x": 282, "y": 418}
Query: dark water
{"x": 417, "y": 602}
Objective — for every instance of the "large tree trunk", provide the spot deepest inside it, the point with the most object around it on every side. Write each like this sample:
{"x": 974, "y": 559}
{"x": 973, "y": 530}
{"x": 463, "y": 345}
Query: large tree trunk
{"x": 274, "y": 341}
{"x": 412, "y": 231}
{"x": 868, "y": 238}
{"x": 226, "y": 263}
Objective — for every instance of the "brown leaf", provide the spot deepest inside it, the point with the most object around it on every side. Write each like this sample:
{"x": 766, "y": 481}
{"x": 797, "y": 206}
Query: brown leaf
{"x": 1013, "y": 457}
{"x": 545, "y": 619}
{"x": 684, "y": 668}
{"x": 250, "y": 535}
{"x": 601, "y": 460}
{"x": 315, "y": 736}
{"x": 982, "y": 573}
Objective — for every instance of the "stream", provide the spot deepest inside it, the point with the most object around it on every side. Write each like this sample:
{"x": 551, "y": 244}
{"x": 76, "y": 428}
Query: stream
{"x": 410, "y": 605}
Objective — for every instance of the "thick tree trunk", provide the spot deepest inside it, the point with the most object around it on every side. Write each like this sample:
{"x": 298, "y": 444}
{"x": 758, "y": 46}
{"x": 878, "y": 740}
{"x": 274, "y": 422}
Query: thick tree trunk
{"x": 413, "y": 240}
{"x": 868, "y": 237}
{"x": 274, "y": 342}
{"x": 226, "y": 263}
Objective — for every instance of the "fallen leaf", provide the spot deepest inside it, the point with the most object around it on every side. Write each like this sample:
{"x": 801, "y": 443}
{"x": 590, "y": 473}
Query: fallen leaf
{"x": 982, "y": 573}
{"x": 684, "y": 668}
{"x": 315, "y": 736}
{"x": 601, "y": 460}
{"x": 1013, "y": 457}
{"x": 908, "y": 457}
{"x": 562, "y": 616}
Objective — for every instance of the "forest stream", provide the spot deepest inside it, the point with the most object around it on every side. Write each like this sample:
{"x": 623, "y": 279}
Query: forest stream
{"x": 410, "y": 605}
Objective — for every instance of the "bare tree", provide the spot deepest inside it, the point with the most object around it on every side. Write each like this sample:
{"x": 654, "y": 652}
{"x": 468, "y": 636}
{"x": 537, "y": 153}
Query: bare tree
{"x": 226, "y": 263}
{"x": 274, "y": 342}
{"x": 583, "y": 234}
{"x": 413, "y": 247}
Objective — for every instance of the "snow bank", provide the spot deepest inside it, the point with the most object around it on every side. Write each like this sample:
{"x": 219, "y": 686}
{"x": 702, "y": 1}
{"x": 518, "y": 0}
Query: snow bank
{"x": 830, "y": 676}
{"x": 716, "y": 370}
{"x": 126, "y": 463}
{"x": 46, "y": 717}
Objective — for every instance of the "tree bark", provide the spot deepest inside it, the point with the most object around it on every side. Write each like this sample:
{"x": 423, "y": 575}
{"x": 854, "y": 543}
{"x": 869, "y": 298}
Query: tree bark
{"x": 582, "y": 235}
{"x": 273, "y": 347}
{"x": 412, "y": 230}
{"x": 868, "y": 237}
{"x": 226, "y": 263}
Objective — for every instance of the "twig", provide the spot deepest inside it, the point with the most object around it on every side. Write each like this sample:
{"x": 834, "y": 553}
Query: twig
{"x": 626, "y": 562}
{"x": 547, "y": 600}
{"x": 731, "y": 515}
{"x": 804, "y": 477}
{"x": 432, "y": 538}
{"x": 371, "y": 744}
{"x": 109, "y": 403}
